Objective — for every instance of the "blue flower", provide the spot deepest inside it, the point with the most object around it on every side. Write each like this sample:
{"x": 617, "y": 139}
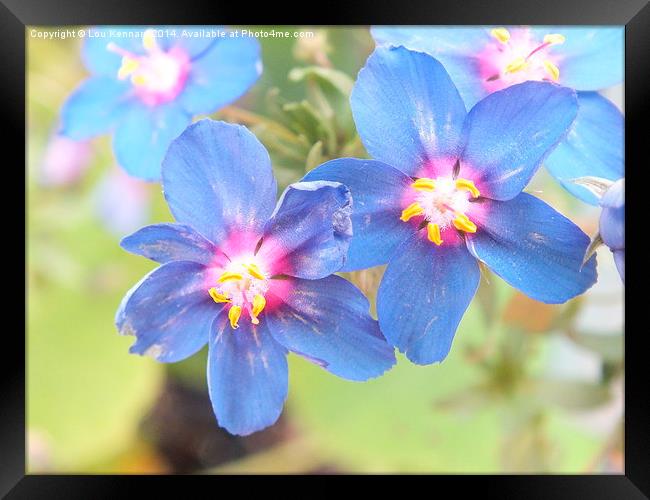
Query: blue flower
{"x": 144, "y": 89}
{"x": 612, "y": 223}
{"x": 252, "y": 279}
{"x": 444, "y": 192}
{"x": 481, "y": 60}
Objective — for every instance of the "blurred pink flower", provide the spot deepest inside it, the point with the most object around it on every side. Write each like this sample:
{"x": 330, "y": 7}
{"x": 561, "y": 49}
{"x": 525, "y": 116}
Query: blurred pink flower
{"x": 65, "y": 161}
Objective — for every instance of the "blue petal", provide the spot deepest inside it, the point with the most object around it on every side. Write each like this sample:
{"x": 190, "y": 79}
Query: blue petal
{"x": 423, "y": 296}
{"x": 591, "y": 57}
{"x": 193, "y": 40}
{"x": 455, "y": 47}
{"x": 169, "y": 311}
{"x": 95, "y": 107}
{"x": 169, "y": 242}
{"x": 406, "y": 109}
{"x": 619, "y": 259}
{"x": 247, "y": 376}
{"x": 95, "y": 52}
{"x": 217, "y": 177}
{"x": 143, "y": 136}
{"x": 612, "y": 218}
{"x": 594, "y": 146}
{"x": 509, "y": 133}
{"x": 533, "y": 248}
{"x": 309, "y": 234}
{"x": 221, "y": 74}
{"x": 376, "y": 190}
{"x": 328, "y": 322}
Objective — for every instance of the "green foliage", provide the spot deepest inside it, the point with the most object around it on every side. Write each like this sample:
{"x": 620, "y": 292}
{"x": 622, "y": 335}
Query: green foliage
{"x": 85, "y": 393}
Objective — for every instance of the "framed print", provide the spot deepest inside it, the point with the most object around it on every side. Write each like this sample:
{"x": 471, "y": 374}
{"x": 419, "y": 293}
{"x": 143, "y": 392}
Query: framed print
{"x": 390, "y": 245}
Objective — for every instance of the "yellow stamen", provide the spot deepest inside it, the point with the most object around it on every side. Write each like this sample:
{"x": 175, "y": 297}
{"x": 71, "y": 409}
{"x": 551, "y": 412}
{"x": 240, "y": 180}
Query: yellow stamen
{"x": 233, "y": 316}
{"x": 424, "y": 184}
{"x": 433, "y": 233}
{"x": 517, "y": 65}
{"x": 229, "y": 276}
{"x": 501, "y": 34}
{"x": 411, "y": 211}
{"x": 468, "y": 185}
{"x": 554, "y": 38}
{"x": 218, "y": 297}
{"x": 552, "y": 70}
{"x": 259, "y": 303}
{"x": 139, "y": 80}
{"x": 462, "y": 223}
{"x": 254, "y": 271}
{"x": 129, "y": 65}
{"x": 149, "y": 40}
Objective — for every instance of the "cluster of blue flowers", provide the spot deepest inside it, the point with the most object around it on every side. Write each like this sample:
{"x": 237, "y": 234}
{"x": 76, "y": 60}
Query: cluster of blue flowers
{"x": 457, "y": 122}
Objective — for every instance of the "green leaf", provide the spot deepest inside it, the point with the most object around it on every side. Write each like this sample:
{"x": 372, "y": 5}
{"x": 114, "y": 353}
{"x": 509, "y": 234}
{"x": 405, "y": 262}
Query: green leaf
{"x": 309, "y": 122}
{"x": 315, "y": 156}
{"x": 328, "y": 90}
{"x": 597, "y": 185}
{"x": 334, "y": 78}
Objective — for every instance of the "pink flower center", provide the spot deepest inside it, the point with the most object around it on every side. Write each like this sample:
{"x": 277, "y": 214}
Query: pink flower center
{"x": 440, "y": 204}
{"x": 242, "y": 285}
{"x": 157, "y": 76}
{"x": 517, "y": 57}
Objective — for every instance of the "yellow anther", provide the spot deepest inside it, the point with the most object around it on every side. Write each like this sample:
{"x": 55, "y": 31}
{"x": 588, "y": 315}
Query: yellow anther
{"x": 433, "y": 233}
{"x": 554, "y": 38}
{"x": 229, "y": 276}
{"x": 233, "y": 316}
{"x": 411, "y": 211}
{"x": 462, "y": 223}
{"x": 254, "y": 271}
{"x": 501, "y": 34}
{"x": 517, "y": 65}
{"x": 218, "y": 297}
{"x": 259, "y": 302}
{"x": 139, "y": 80}
{"x": 467, "y": 185}
{"x": 129, "y": 65}
{"x": 149, "y": 40}
{"x": 424, "y": 184}
{"x": 552, "y": 70}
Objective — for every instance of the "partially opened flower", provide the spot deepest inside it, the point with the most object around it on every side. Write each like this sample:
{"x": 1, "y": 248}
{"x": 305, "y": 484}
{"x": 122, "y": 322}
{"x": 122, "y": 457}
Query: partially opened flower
{"x": 251, "y": 279}
{"x": 145, "y": 89}
{"x": 482, "y": 60}
{"x": 612, "y": 223}
{"x": 444, "y": 192}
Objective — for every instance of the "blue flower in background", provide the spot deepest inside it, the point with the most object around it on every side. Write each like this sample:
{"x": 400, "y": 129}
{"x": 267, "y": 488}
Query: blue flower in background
{"x": 612, "y": 223}
{"x": 444, "y": 192}
{"x": 481, "y": 60}
{"x": 122, "y": 203}
{"x": 252, "y": 279}
{"x": 145, "y": 88}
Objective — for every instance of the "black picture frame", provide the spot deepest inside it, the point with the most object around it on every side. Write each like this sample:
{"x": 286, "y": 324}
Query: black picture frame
{"x": 16, "y": 15}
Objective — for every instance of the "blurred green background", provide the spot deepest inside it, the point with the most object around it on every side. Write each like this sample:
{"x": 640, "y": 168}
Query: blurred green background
{"x": 527, "y": 387}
